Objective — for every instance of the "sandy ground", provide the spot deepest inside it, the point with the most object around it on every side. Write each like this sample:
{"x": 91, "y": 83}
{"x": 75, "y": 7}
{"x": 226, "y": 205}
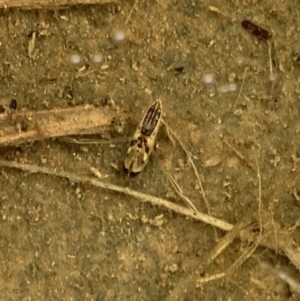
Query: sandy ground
{"x": 61, "y": 240}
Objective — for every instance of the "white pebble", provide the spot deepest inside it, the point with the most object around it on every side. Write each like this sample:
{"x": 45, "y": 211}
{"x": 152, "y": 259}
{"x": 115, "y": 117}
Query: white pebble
{"x": 97, "y": 58}
{"x": 75, "y": 59}
{"x": 208, "y": 78}
{"x": 118, "y": 36}
{"x": 231, "y": 87}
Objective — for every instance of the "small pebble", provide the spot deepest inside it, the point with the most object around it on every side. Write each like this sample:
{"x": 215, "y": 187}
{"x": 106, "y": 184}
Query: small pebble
{"x": 118, "y": 36}
{"x": 134, "y": 66}
{"x": 148, "y": 91}
{"x": 173, "y": 268}
{"x": 231, "y": 77}
{"x": 97, "y": 58}
{"x": 43, "y": 160}
{"x": 208, "y": 78}
{"x": 231, "y": 87}
{"x": 104, "y": 67}
{"x": 75, "y": 59}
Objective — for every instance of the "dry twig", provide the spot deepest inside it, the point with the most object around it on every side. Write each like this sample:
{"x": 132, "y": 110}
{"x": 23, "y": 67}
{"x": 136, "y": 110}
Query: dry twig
{"x": 26, "y": 126}
{"x": 259, "y": 198}
{"x": 139, "y": 195}
{"x": 172, "y": 134}
{"x": 176, "y": 186}
{"x": 295, "y": 285}
{"x": 132, "y": 9}
{"x": 284, "y": 241}
{"x": 83, "y": 141}
{"x": 49, "y": 4}
{"x": 193, "y": 280}
{"x": 239, "y": 154}
{"x": 202, "y": 280}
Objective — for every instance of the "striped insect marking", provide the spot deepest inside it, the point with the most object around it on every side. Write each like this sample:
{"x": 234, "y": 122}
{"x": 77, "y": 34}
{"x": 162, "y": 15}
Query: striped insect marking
{"x": 143, "y": 140}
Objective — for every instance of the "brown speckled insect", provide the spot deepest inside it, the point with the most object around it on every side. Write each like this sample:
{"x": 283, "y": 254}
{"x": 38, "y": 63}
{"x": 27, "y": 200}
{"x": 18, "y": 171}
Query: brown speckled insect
{"x": 143, "y": 140}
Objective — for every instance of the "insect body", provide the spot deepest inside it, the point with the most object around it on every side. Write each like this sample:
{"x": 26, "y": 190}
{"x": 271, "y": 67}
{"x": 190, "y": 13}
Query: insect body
{"x": 143, "y": 140}
{"x": 256, "y": 30}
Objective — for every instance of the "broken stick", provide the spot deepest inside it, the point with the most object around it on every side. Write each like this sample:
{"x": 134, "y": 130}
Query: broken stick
{"x": 27, "y": 126}
{"x": 49, "y": 4}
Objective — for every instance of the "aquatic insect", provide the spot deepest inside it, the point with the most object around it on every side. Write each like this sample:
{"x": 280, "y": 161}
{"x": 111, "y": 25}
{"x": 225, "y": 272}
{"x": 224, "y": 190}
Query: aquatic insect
{"x": 256, "y": 30}
{"x": 143, "y": 140}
